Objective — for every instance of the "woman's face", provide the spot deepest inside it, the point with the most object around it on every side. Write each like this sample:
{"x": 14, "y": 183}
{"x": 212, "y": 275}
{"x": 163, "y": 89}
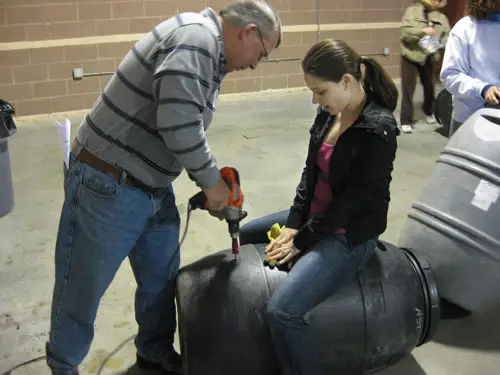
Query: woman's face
{"x": 333, "y": 97}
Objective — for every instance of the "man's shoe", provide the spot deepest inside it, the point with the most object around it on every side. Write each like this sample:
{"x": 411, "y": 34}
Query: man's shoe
{"x": 172, "y": 365}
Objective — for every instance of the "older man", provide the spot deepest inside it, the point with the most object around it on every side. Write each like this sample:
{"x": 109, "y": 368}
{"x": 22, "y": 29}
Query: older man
{"x": 146, "y": 127}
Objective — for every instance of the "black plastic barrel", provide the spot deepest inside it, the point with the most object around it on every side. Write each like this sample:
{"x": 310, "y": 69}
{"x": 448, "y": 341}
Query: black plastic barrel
{"x": 443, "y": 109}
{"x": 369, "y": 324}
{"x": 7, "y": 129}
{"x": 455, "y": 222}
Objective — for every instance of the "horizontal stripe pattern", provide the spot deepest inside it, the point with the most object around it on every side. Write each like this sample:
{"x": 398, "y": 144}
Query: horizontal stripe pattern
{"x": 152, "y": 117}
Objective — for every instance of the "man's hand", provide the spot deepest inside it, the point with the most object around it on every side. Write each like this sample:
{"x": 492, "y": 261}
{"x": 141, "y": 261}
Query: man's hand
{"x": 430, "y": 31}
{"x": 217, "y": 196}
{"x": 492, "y": 96}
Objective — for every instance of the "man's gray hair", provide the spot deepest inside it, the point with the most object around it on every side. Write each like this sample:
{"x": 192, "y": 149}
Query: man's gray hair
{"x": 240, "y": 13}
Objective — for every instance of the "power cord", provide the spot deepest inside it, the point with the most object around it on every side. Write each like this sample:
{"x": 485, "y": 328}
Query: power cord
{"x": 119, "y": 347}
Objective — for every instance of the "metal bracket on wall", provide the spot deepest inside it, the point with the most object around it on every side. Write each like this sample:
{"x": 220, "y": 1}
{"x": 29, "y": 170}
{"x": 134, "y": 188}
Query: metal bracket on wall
{"x": 78, "y": 73}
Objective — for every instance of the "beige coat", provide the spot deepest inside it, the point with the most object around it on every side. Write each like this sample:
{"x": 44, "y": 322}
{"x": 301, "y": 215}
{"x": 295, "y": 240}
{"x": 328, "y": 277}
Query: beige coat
{"x": 413, "y": 27}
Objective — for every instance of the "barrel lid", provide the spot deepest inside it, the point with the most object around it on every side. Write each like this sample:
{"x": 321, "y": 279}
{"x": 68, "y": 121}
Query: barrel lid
{"x": 429, "y": 284}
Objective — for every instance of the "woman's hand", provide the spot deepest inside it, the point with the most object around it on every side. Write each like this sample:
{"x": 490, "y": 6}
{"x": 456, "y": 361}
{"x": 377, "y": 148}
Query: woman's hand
{"x": 285, "y": 236}
{"x": 284, "y": 253}
{"x": 492, "y": 96}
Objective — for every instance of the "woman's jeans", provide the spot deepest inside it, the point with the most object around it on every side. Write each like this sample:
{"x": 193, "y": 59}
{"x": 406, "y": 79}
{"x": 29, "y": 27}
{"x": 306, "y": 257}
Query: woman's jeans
{"x": 102, "y": 223}
{"x": 319, "y": 273}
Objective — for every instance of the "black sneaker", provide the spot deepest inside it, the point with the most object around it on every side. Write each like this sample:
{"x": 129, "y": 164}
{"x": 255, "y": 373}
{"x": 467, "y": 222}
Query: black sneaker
{"x": 171, "y": 365}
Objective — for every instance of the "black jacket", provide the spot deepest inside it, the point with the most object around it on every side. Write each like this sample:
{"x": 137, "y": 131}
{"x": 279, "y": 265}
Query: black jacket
{"x": 359, "y": 177}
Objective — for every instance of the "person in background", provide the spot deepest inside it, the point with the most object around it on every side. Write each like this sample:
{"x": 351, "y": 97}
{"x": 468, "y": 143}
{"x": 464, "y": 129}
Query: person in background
{"x": 146, "y": 127}
{"x": 342, "y": 200}
{"x": 471, "y": 63}
{"x": 423, "y": 33}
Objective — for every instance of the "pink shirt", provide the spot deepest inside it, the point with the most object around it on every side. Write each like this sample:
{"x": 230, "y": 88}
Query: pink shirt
{"x": 322, "y": 191}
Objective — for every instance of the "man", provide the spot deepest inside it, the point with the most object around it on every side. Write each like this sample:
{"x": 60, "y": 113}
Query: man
{"x": 423, "y": 32}
{"x": 146, "y": 127}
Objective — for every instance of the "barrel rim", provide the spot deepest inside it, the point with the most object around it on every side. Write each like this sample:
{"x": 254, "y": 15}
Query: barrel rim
{"x": 431, "y": 293}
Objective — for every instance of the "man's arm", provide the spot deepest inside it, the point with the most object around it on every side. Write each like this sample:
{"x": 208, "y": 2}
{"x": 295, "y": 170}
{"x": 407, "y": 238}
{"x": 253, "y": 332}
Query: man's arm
{"x": 183, "y": 80}
{"x": 376, "y": 165}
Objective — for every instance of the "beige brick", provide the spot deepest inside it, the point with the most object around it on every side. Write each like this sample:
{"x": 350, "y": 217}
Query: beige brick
{"x": 276, "y": 82}
{"x": 112, "y": 27}
{"x": 103, "y": 81}
{"x": 128, "y": 10}
{"x": 292, "y": 39}
{"x": 107, "y": 50}
{"x": 302, "y": 5}
{"x": 189, "y": 6}
{"x": 62, "y": 70}
{"x": 363, "y": 16}
{"x": 90, "y": 100}
{"x": 296, "y": 80}
{"x": 94, "y": 11}
{"x": 60, "y": 30}
{"x": 143, "y": 25}
{"x": 248, "y": 84}
{"x": 32, "y": 73}
{"x": 99, "y": 66}
{"x": 338, "y": 16}
{"x": 309, "y": 17}
{"x": 6, "y": 76}
{"x": 345, "y": 4}
{"x": 38, "y": 14}
{"x": 34, "y": 107}
{"x": 20, "y": 91}
{"x": 159, "y": 8}
{"x": 385, "y": 4}
{"x": 68, "y": 103}
{"x": 3, "y": 16}
{"x": 80, "y": 53}
{"x": 291, "y": 18}
{"x": 228, "y": 86}
{"x": 281, "y": 5}
{"x": 14, "y": 58}
{"x": 12, "y": 2}
{"x": 46, "y": 55}
{"x": 50, "y": 89}
{"x": 85, "y": 86}
{"x": 12, "y": 34}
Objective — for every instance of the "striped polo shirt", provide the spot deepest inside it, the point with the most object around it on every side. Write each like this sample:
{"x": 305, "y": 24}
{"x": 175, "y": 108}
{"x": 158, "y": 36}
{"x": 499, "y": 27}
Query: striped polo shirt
{"x": 151, "y": 118}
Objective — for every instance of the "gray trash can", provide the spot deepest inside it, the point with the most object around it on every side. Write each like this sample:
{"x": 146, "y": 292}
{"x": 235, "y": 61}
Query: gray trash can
{"x": 7, "y": 129}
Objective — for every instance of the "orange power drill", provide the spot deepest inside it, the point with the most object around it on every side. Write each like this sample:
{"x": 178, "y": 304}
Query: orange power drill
{"x": 233, "y": 213}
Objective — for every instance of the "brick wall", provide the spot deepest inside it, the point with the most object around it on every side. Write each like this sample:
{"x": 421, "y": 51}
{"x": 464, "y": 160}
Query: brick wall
{"x": 41, "y": 41}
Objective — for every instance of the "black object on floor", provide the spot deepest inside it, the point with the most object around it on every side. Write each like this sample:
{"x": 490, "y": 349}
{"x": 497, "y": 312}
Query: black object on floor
{"x": 369, "y": 324}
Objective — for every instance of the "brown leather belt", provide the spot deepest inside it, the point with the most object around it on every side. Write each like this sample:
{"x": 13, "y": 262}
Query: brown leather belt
{"x": 90, "y": 159}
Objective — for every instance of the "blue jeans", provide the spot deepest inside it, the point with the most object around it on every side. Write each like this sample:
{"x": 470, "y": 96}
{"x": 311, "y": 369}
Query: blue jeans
{"x": 103, "y": 222}
{"x": 319, "y": 273}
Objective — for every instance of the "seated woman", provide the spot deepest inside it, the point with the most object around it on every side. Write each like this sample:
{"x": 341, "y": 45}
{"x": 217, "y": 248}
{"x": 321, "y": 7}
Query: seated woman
{"x": 342, "y": 200}
{"x": 470, "y": 70}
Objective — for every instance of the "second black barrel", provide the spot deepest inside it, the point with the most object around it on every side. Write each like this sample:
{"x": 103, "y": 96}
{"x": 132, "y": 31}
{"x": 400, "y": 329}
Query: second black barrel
{"x": 372, "y": 322}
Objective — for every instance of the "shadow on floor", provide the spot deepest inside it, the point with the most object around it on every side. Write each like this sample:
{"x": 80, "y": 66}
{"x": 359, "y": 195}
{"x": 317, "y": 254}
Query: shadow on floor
{"x": 478, "y": 332}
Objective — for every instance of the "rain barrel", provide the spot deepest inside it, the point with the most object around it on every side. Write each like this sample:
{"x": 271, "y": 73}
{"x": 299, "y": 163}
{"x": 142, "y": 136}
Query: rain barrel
{"x": 369, "y": 324}
{"x": 455, "y": 222}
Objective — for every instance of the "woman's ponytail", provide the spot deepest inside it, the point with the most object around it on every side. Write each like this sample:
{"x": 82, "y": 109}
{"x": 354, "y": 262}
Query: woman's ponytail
{"x": 378, "y": 82}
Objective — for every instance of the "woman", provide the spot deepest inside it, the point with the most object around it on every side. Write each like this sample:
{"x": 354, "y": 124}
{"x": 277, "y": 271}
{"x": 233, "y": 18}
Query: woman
{"x": 342, "y": 199}
{"x": 470, "y": 70}
{"x": 423, "y": 33}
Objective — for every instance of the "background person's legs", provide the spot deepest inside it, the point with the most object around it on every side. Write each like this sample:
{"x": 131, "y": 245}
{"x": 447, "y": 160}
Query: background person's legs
{"x": 409, "y": 71}
{"x": 426, "y": 73}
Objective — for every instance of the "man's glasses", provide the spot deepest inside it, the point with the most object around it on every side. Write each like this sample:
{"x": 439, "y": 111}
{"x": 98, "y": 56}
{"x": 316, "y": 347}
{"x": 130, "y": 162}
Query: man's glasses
{"x": 266, "y": 55}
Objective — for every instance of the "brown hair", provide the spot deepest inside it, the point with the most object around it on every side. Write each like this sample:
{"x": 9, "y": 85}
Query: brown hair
{"x": 330, "y": 59}
{"x": 481, "y": 9}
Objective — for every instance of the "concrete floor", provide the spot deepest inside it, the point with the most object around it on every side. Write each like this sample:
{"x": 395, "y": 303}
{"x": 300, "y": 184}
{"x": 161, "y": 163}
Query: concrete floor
{"x": 265, "y": 137}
